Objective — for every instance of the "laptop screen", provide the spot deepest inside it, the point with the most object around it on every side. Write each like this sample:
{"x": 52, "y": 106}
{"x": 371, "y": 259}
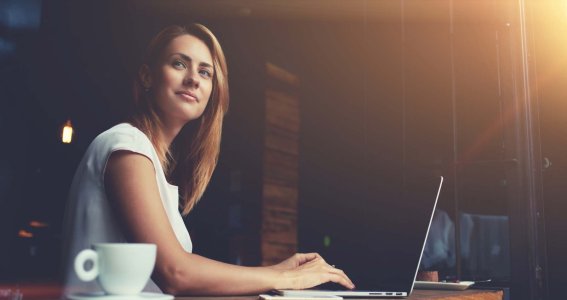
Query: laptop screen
{"x": 380, "y": 247}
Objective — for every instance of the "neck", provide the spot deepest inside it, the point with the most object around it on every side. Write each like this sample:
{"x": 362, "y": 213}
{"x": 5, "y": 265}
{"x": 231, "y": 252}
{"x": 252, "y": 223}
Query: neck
{"x": 169, "y": 132}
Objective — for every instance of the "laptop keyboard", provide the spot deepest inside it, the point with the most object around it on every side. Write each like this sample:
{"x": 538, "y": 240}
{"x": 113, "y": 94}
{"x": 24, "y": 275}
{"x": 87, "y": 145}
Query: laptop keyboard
{"x": 330, "y": 286}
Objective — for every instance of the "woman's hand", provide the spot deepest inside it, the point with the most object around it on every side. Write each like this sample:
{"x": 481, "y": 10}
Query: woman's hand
{"x": 296, "y": 260}
{"x": 306, "y": 270}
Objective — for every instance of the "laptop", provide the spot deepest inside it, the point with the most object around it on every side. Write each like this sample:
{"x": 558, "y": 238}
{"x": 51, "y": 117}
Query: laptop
{"x": 383, "y": 253}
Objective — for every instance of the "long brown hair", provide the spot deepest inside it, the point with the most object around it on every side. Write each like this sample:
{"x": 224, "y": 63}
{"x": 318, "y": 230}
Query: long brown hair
{"x": 192, "y": 157}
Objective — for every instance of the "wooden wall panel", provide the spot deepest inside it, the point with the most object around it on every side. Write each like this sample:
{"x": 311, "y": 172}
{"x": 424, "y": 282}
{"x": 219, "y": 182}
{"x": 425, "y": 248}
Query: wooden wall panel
{"x": 280, "y": 166}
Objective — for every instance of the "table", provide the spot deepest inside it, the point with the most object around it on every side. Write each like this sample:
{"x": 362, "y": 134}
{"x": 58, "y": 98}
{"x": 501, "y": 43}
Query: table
{"x": 52, "y": 291}
{"x": 469, "y": 294}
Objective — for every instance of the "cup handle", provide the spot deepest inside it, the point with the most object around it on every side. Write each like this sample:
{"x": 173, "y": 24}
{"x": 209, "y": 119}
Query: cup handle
{"x": 80, "y": 260}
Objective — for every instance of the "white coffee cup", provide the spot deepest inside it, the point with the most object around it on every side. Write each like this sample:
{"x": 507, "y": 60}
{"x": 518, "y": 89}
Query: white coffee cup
{"x": 121, "y": 269}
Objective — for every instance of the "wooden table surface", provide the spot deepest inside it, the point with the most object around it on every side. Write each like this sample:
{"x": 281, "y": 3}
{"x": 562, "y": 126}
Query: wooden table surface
{"x": 469, "y": 294}
{"x": 52, "y": 291}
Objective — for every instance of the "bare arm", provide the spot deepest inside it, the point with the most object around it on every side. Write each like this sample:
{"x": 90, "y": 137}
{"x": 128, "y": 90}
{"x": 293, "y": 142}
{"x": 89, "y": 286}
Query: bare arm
{"x": 131, "y": 186}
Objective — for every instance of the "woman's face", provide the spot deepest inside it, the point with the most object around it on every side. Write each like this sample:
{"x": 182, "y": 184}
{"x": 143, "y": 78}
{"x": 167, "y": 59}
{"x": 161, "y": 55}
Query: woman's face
{"x": 182, "y": 81}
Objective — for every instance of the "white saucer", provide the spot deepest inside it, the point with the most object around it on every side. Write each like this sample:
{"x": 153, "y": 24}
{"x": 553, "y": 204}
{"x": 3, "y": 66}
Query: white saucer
{"x": 103, "y": 296}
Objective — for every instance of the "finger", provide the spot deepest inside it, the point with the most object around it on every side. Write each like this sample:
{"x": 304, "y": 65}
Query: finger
{"x": 341, "y": 273}
{"x": 342, "y": 280}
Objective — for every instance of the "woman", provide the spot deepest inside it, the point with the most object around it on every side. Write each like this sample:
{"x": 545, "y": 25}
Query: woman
{"x": 122, "y": 192}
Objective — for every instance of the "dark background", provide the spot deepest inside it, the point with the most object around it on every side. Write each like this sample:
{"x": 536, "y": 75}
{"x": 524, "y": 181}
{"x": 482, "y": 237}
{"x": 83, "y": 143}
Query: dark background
{"x": 385, "y": 86}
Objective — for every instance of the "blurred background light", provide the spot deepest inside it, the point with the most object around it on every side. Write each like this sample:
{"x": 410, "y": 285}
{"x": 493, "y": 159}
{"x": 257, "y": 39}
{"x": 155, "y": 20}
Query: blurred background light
{"x": 38, "y": 224}
{"x": 25, "y": 234}
{"x": 67, "y": 133}
{"x": 20, "y": 15}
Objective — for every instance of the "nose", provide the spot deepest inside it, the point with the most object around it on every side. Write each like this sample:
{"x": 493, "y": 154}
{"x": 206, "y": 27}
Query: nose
{"x": 191, "y": 79}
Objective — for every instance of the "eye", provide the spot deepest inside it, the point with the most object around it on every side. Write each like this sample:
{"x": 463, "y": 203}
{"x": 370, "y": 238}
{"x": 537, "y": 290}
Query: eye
{"x": 205, "y": 73}
{"x": 179, "y": 65}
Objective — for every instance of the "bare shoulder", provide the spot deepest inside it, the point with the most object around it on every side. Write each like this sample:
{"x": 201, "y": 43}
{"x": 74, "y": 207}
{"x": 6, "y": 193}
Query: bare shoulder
{"x": 127, "y": 161}
{"x": 129, "y": 173}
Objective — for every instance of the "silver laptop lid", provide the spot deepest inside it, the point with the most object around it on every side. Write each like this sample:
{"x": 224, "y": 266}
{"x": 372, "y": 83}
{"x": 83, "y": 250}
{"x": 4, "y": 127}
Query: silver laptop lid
{"x": 381, "y": 240}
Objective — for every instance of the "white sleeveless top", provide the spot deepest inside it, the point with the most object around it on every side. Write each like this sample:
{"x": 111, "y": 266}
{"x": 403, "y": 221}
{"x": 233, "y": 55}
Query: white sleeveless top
{"x": 89, "y": 218}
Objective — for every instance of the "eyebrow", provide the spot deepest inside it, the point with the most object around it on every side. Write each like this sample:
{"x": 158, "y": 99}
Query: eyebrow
{"x": 187, "y": 58}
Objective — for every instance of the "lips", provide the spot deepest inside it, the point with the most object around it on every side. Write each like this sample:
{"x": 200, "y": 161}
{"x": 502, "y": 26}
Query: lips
{"x": 188, "y": 96}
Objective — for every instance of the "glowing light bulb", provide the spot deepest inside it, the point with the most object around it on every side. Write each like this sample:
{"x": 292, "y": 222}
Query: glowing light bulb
{"x": 67, "y": 133}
